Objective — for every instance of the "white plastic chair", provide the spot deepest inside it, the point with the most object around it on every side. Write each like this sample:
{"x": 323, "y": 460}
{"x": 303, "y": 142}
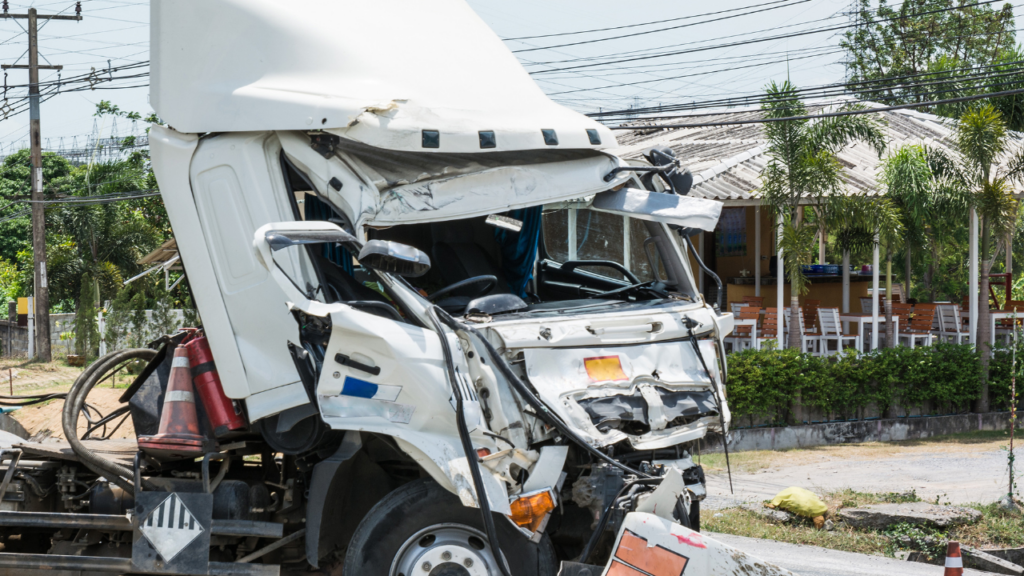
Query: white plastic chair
{"x": 809, "y": 341}
{"x": 832, "y": 330}
{"x": 950, "y": 325}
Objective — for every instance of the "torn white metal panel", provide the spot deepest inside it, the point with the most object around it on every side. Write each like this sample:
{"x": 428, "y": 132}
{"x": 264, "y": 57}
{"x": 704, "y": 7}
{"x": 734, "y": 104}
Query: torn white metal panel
{"x": 664, "y": 547}
{"x": 441, "y": 457}
{"x": 274, "y": 400}
{"x": 377, "y": 72}
{"x": 564, "y": 383}
{"x": 463, "y": 188}
{"x": 685, "y": 211}
{"x": 547, "y": 470}
{"x": 356, "y": 196}
{"x": 172, "y": 154}
{"x": 409, "y": 399}
{"x": 663, "y": 500}
{"x": 238, "y": 187}
{"x": 627, "y": 325}
{"x": 558, "y": 371}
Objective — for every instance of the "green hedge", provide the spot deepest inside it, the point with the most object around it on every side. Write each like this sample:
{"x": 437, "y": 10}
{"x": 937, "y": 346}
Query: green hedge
{"x": 940, "y": 379}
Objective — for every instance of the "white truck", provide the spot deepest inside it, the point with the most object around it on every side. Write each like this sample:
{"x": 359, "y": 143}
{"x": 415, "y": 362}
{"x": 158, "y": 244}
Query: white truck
{"x": 452, "y": 334}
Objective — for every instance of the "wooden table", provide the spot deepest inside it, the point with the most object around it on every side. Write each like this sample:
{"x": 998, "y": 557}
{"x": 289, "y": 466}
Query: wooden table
{"x": 861, "y": 319}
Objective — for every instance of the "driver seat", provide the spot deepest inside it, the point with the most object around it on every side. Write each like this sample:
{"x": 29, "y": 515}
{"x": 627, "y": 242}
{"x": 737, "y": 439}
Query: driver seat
{"x": 458, "y": 261}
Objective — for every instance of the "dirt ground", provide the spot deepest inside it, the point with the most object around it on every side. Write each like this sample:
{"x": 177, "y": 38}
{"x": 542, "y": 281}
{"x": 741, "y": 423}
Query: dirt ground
{"x": 39, "y": 378}
{"x": 957, "y": 469}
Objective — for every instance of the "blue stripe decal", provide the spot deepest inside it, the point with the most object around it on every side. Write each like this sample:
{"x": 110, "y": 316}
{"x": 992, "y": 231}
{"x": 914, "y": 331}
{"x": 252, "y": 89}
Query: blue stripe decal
{"x": 358, "y": 388}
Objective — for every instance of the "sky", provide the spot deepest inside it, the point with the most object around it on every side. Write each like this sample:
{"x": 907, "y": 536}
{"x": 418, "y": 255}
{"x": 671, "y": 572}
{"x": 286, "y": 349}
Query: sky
{"x": 115, "y": 34}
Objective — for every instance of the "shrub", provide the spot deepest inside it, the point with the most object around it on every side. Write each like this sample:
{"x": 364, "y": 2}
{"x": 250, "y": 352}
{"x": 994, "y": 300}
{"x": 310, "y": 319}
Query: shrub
{"x": 941, "y": 378}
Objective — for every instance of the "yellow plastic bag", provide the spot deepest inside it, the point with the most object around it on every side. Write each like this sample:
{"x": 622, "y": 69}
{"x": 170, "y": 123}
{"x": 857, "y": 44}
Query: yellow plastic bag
{"x": 799, "y": 501}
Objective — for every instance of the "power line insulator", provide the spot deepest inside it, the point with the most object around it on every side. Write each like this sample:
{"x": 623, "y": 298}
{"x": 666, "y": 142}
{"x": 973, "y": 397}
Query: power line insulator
{"x": 7, "y": 6}
{"x": 78, "y": 8}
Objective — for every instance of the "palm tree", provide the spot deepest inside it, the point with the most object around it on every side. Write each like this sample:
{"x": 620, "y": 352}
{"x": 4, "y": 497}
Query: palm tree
{"x": 803, "y": 170}
{"x": 908, "y": 182}
{"x": 980, "y": 148}
{"x": 858, "y": 223}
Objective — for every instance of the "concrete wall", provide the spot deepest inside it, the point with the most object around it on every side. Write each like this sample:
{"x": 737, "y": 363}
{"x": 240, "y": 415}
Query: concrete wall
{"x": 14, "y": 338}
{"x": 881, "y": 430}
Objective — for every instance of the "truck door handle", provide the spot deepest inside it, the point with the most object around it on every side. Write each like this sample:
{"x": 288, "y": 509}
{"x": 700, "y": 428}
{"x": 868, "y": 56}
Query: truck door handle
{"x": 346, "y": 361}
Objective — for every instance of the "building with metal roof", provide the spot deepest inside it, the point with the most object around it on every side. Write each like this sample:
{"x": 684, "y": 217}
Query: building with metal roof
{"x": 726, "y": 161}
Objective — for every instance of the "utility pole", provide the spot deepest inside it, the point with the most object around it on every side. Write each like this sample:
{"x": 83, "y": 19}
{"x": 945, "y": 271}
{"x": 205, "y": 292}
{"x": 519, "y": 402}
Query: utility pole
{"x": 42, "y": 292}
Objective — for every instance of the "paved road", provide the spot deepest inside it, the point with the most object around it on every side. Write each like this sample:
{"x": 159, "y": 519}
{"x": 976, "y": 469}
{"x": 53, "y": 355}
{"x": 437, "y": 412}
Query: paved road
{"x": 814, "y": 561}
{"x": 957, "y": 477}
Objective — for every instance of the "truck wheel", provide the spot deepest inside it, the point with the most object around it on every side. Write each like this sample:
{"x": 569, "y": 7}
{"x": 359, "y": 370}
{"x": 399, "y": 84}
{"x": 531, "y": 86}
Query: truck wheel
{"x": 421, "y": 529}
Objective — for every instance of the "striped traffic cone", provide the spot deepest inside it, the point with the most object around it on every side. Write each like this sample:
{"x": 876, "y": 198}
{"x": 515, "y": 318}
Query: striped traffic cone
{"x": 954, "y": 563}
{"x": 179, "y": 435}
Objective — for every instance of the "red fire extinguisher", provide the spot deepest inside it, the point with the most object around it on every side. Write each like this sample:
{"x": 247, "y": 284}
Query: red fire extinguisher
{"x": 223, "y": 414}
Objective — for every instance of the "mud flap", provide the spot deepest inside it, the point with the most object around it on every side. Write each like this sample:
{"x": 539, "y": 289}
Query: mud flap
{"x": 171, "y": 532}
{"x": 649, "y": 545}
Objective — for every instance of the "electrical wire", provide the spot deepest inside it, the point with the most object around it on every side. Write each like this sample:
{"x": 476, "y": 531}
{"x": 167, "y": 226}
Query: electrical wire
{"x": 642, "y": 23}
{"x": 760, "y": 40}
{"x": 820, "y": 116}
{"x": 858, "y": 88}
{"x": 687, "y": 25}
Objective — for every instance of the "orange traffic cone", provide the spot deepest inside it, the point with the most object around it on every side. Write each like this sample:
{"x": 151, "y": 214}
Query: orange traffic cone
{"x": 179, "y": 435}
{"x": 954, "y": 563}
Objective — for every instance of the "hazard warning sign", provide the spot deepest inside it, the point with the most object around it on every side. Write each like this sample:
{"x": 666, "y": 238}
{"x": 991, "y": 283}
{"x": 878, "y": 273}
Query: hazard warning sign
{"x": 170, "y": 527}
{"x": 172, "y": 532}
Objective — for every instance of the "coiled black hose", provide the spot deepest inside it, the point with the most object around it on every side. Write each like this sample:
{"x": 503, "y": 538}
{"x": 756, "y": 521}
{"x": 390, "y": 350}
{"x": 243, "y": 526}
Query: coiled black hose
{"x": 112, "y": 471}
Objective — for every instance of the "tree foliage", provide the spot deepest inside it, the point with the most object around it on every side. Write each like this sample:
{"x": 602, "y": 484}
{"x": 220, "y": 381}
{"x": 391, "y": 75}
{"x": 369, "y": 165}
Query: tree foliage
{"x": 893, "y": 47}
{"x": 87, "y": 333}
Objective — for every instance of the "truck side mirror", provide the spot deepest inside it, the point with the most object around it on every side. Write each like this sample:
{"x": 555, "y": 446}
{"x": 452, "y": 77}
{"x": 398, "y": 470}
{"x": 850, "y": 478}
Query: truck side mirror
{"x": 398, "y": 259}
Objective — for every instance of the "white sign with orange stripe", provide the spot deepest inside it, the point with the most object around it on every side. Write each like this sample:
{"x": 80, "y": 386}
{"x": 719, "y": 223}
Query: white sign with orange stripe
{"x": 653, "y": 546}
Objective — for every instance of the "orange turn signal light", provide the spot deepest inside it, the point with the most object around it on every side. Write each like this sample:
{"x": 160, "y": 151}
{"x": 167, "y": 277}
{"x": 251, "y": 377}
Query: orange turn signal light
{"x": 529, "y": 511}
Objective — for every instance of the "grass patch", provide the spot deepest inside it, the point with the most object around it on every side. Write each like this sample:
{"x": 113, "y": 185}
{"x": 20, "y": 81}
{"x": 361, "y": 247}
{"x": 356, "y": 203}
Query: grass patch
{"x": 797, "y": 531}
{"x": 997, "y": 528}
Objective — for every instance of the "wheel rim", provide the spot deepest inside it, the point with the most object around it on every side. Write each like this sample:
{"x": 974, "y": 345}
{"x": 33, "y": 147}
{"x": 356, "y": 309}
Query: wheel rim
{"x": 446, "y": 550}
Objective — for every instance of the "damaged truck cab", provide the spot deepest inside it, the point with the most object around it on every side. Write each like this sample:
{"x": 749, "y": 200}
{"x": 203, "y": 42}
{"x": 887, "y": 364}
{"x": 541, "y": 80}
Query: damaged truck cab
{"x": 464, "y": 335}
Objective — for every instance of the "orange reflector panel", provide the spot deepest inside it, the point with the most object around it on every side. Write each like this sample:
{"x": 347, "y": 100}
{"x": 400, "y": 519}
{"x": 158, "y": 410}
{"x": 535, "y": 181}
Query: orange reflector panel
{"x": 483, "y": 452}
{"x": 604, "y": 368}
{"x": 634, "y": 551}
{"x": 529, "y": 511}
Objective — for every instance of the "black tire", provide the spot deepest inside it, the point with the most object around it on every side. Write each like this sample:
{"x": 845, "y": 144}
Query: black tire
{"x": 420, "y": 506}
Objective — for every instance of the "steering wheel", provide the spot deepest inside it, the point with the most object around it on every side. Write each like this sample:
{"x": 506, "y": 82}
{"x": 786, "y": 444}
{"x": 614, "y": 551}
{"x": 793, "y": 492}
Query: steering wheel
{"x": 488, "y": 283}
